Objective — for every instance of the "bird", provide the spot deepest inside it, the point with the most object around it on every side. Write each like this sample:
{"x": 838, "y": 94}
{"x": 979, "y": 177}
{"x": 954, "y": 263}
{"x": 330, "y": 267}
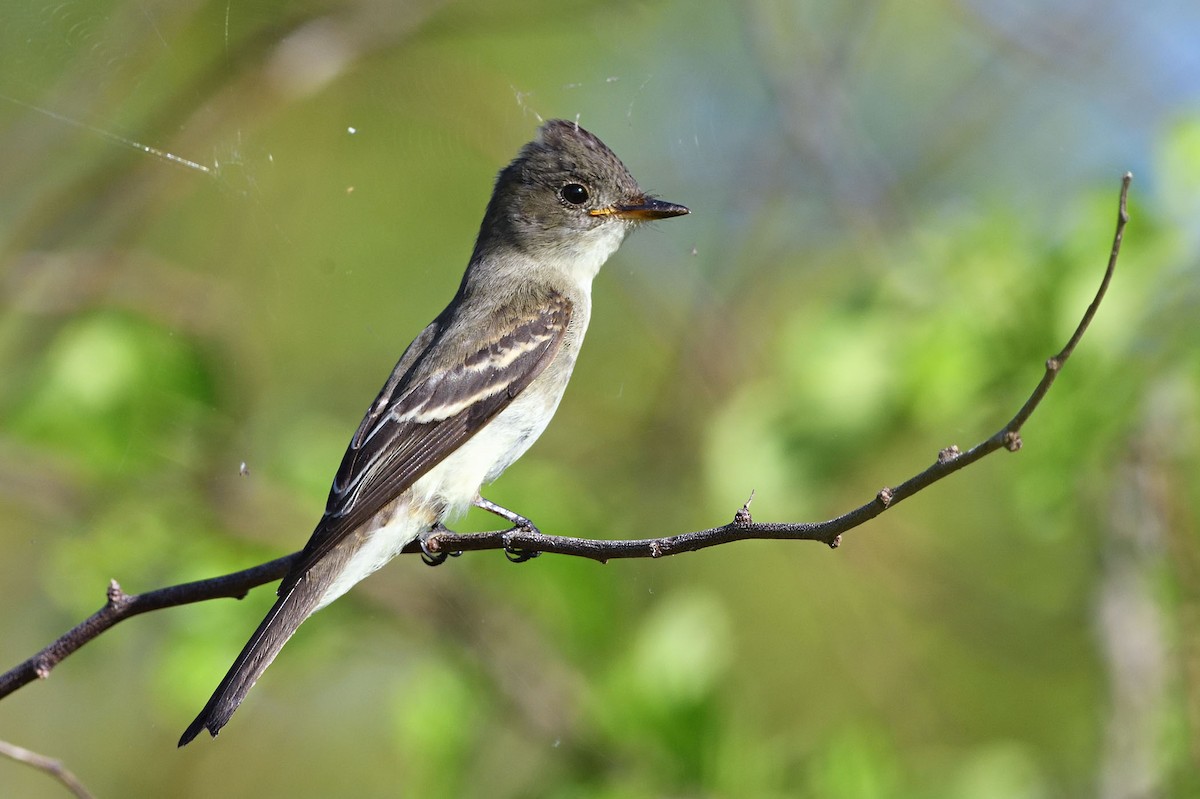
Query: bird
{"x": 472, "y": 392}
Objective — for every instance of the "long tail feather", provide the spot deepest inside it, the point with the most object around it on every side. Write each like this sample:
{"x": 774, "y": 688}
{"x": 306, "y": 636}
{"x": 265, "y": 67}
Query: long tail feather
{"x": 289, "y": 611}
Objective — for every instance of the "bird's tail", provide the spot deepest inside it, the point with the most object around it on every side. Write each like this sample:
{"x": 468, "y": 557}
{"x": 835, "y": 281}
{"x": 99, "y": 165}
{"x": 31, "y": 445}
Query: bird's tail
{"x": 289, "y": 611}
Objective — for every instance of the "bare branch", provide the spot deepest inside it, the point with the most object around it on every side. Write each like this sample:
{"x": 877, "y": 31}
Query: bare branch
{"x": 830, "y": 532}
{"x": 53, "y": 767}
{"x": 121, "y": 606}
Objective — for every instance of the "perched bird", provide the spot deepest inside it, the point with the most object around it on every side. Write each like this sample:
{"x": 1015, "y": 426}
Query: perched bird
{"x": 473, "y": 391}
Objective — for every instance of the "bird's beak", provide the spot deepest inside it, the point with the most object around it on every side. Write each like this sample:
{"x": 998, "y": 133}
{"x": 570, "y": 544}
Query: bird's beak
{"x": 648, "y": 208}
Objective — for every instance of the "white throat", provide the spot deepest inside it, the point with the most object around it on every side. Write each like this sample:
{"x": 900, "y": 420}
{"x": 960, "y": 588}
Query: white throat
{"x": 582, "y": 258}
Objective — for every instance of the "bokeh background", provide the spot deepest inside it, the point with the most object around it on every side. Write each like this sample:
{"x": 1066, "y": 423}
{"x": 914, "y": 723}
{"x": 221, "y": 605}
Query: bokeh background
{"x": 221, "y": 222}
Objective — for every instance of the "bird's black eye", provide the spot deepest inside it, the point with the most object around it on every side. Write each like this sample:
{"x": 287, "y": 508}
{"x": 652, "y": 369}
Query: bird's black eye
{"x": 574, "y": 193}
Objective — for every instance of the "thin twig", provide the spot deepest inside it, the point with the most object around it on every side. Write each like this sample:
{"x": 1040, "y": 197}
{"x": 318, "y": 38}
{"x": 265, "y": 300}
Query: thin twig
{"x": 53, "y": 767}
{"x": 949, "y": 460}
{"x": 121, "y": 606}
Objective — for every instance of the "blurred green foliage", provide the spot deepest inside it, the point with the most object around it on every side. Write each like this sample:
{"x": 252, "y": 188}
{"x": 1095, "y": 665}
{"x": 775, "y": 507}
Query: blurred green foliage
{"x": 899, "y": 213}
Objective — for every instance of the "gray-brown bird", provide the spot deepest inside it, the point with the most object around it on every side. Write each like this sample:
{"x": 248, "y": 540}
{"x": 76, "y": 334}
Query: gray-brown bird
{"x": 473, "y": 391}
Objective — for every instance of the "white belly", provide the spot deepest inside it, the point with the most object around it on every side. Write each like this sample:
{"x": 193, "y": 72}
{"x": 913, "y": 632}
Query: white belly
{"x": 455, "y": 482}
{"x": 447, "y": 490}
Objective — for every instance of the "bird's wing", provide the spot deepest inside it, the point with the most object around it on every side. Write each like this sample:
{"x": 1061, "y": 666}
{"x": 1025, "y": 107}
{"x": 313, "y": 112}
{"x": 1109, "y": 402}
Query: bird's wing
{"x": 417, "y": 421}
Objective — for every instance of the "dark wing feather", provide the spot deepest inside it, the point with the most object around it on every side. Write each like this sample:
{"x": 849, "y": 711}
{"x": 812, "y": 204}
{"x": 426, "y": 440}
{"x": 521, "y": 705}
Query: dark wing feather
{"x": 412, "y": 428}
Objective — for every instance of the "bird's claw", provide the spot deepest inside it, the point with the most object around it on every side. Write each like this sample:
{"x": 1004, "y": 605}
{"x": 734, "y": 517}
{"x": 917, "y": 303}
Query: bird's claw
{"x": 520, "y": 524}
{"x": 428, "y": 556}
{"x": 519, "y": 555}
{"x": 514, "y": 554}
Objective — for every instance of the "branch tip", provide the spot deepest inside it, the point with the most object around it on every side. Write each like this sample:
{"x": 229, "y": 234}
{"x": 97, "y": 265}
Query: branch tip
{"x": 1122, "y": 208}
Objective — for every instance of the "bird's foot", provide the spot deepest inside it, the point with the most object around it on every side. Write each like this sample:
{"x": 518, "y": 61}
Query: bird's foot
{"x": 428, "y": 556}
{"x": 515, "y": 555}
{"x": 520, "y": 524}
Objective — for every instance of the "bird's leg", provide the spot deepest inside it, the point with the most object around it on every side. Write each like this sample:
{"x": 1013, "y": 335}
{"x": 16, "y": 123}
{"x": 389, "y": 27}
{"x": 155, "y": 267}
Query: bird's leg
{"x": 428, "y": 557}
{"x": 518, "y": 522}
